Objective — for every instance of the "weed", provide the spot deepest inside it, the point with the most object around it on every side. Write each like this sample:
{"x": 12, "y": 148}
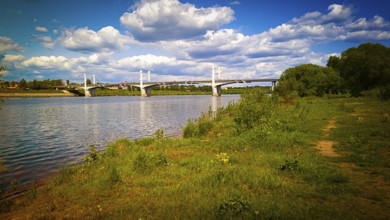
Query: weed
{"x": 223, "y": 158}
{"x": 159, "y": 134}
{"x": 235, "y": 208}
{"x": 197, "y": 128}
{"x": 146, "y": 141}
{"x": 145, "y": 163}
{"x": 65, "y": 175}
{"x": 113, "y": 176}
{"x": 92, "y": 155}
{"x": 289, "y": 165}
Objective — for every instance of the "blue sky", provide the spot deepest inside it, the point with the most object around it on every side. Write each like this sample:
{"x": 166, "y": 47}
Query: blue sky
{"x": 180, "y": 40}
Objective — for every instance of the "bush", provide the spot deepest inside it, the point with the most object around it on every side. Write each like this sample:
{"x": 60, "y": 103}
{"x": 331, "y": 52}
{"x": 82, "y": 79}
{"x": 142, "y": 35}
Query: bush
{"x": 250, "y": 113}
{"x": 235, "y": 208}
{"x": 198, "y": 128}
{"x": 145, "y": 163}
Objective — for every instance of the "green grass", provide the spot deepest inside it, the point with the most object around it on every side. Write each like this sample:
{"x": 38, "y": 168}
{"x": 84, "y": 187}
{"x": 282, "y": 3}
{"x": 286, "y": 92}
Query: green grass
{"x": 232, "y": 166}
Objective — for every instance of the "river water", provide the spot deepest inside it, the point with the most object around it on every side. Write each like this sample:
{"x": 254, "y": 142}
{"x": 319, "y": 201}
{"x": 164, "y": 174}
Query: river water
{"x": 40, "y": 135}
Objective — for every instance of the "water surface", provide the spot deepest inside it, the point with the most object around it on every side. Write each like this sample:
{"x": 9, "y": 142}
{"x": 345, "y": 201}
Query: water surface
{"x": 40, "y": 135}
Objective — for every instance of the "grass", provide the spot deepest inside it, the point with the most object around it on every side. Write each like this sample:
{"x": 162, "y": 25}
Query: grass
{"x": 234, "y": 165}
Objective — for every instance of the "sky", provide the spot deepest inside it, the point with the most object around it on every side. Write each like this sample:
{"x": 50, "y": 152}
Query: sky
{"x": 180, "y": 39}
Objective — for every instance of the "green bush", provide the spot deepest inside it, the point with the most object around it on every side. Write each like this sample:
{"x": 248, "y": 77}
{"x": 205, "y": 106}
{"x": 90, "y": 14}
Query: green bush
{"x": 144, "y": 163}
{"x": 198, "y": 128}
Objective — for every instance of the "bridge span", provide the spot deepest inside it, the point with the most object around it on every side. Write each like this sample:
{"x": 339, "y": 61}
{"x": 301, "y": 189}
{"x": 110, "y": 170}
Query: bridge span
{"x": 216, "y": 85}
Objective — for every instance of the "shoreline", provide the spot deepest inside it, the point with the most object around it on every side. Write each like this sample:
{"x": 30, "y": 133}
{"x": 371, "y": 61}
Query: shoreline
{"x": 36, "y": 95}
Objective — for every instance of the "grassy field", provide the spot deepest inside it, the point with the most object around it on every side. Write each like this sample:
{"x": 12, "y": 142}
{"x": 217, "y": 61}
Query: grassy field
{"x": 263, "y": 158}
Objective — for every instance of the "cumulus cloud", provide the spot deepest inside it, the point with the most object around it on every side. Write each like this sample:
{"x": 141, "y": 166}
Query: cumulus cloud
{"x": 9, "y": 58}
{"x": 46, "y": 41}
{"x": 337, "y": 24}
{"x": 88, "y": 41}
{"x": 41, "y": 29}
{"x": 7, "y": 44}
{"x": 154, "y": 20}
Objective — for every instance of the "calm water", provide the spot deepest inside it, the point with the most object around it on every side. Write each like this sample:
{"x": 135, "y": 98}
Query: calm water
{"x": 39, "y": 135}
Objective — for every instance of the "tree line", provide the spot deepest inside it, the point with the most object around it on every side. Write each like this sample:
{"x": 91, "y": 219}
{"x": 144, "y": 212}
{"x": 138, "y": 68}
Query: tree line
{"x": 358, "y": 71}
{"x": 34, "y": 84}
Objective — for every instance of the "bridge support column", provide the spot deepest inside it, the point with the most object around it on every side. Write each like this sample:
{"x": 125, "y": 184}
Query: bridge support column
{"x": 216, "y": 90}
{"x": 90, "y": 92}
{"x": 273, "y": 85}
{"x": 146, "y": 91}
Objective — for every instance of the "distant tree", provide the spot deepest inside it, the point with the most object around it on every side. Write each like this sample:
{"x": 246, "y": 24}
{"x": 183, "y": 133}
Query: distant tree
{"x": 365, "y": 67}
{"x": 67, "y": 82}
{"x": 23, "y": 84}
{"x": 308, "y": 80}
{"x": 89, "y": 82}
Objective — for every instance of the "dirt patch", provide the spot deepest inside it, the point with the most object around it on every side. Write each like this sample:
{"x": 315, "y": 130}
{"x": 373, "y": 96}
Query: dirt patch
{"x": 325, "y": 146}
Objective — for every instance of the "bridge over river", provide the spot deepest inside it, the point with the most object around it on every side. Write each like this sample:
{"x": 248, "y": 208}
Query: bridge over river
{"x": 146, "y": 87}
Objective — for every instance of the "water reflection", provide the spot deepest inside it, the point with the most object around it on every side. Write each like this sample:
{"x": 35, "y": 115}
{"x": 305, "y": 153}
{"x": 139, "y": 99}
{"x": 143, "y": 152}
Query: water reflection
{"x": 39, "y": 135}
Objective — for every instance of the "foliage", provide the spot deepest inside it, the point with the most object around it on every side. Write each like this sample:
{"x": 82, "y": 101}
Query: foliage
{"x": 198, "y": 128}
{"x": 309, "y": 80}
{"x": 364, "y": 68}
{"x": 235, "y": 208}
{"x": 145, "y": 163}
{"x": 250, "y": 113}
{"x": 92, "y": 155}
{"x": 159, "y": 134}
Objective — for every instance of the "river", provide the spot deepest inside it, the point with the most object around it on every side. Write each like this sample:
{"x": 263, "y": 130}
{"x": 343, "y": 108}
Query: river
{"x": 40, "y": 135}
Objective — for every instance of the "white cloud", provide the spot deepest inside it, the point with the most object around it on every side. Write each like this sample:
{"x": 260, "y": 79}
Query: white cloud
{"x": 9, "y": 58}
{"x": 154, "y": 20}
{"x": 337, "y": 24}
{"x": 41, "y": 29}
{"x": 85, "y": 40}
{"x": 7, "y": 44}
{"x": 46, "y": 41}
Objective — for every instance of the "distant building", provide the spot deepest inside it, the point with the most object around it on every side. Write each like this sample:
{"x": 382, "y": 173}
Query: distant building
{"x": 116, "y": 86}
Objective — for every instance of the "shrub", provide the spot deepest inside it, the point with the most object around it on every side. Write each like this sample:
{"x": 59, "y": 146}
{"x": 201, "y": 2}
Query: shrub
{"x": 198, "y": 128}
{"x": 145, "y": 163}
{"x": 92, "y": 155}
{"x": 235, "y": 208}
{"x": 250, "y": 113}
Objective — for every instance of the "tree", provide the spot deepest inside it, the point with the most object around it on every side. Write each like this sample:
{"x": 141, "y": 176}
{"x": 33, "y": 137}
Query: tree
{"x": 23, "y": 84}
{"x": 89, "y": 82}
{"x": 309, "y": 79}
{"x": 365, "y": 68}
{"x": 333, "y": 62}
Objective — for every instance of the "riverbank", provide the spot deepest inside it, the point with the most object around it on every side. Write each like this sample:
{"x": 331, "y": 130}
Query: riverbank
{"x": 260, "y": 158}
{"x": 36, "y": 95}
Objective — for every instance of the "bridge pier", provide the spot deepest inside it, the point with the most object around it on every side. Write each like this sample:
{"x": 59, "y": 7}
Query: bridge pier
{"x": 273, "y": 85}
{"x": 146, "y": 91}
{"x": 90, "y": 92}
{"x": 216, "y": 90}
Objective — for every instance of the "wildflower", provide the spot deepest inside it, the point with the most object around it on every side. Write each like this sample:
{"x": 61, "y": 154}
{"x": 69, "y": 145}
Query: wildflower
{"x": 223, "y": 158}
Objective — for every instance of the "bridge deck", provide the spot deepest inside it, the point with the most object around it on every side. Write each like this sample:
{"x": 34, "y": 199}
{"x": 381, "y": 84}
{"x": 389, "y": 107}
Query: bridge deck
{"x": 227, "y": 81}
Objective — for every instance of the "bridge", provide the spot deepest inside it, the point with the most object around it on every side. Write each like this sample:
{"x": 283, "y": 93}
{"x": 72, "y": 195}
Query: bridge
{"x": 216, "y": 85}
{"x": 91, "y": 89}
